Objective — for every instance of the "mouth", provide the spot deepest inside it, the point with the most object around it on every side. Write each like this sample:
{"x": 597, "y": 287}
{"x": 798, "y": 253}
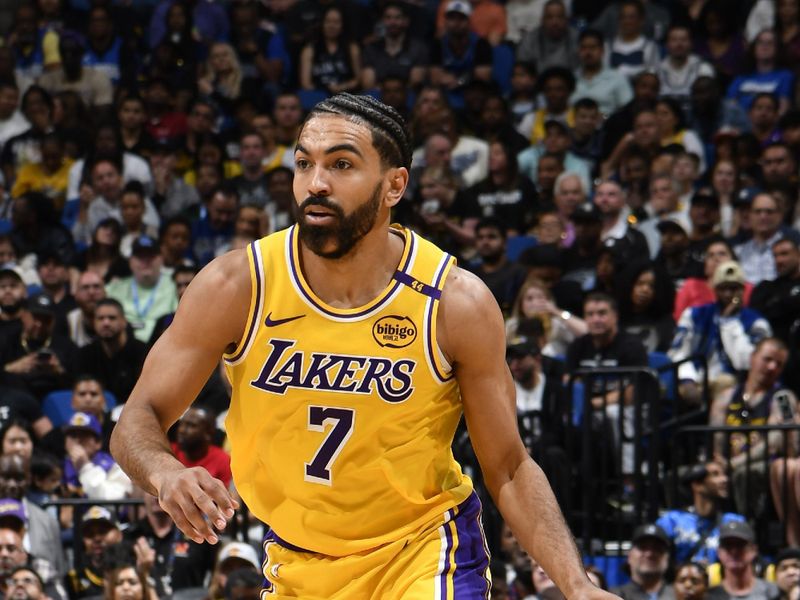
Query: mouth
{"x": 318, "y": 215}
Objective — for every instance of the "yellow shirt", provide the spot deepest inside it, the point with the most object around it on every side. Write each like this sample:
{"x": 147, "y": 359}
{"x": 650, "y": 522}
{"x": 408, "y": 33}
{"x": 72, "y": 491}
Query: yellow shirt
{"x": 341, "y": 420}
{"x": 32, "y": 178}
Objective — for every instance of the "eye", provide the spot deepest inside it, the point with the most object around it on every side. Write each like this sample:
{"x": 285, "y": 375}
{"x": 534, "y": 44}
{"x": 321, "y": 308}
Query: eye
{"x": 301, "y": 163}
{"x": 341, "y": 164}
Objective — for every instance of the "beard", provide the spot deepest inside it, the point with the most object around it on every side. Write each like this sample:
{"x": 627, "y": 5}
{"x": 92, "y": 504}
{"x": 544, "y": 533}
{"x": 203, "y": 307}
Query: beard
{"x": 12, "y": 308}
{"x": 346, "y": 231}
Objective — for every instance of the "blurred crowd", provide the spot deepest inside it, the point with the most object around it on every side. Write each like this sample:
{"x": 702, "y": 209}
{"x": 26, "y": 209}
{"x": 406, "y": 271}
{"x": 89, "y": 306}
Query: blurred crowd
{"x": 622, "y": 175}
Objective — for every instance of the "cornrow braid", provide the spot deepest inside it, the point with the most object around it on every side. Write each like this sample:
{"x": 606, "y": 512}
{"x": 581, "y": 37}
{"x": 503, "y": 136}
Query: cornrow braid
{"x": 389, "y": 134}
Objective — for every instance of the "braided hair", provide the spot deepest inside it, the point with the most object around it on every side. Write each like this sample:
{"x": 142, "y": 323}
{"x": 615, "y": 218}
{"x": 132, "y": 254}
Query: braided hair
{"x": 389, "y": 134}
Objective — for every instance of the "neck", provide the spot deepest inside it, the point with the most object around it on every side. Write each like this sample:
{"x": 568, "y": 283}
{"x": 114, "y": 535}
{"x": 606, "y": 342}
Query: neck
{"x": 342, "y": 283}
{"x": 113, "y": 345}
{"x": 252, "y": 173}
{"x": 494, "y": 263}
{"x": 737, "y": 582}
{"x": 762, "y": 236}
{"x": 649, "y": 583}
{"x": 56, "y": 292}
{"x": 629, "y": 37}
{"x": 499, "y": 177}
{"x": 532, "y": 382}
{"x": 764, "y": 66}
{"x": 704, "y": 506}
{"x": 678, "y": 61}
{"x": 603, "y": 339}
{"x": 609, "y": 221}
{"x": 753, "y": 386}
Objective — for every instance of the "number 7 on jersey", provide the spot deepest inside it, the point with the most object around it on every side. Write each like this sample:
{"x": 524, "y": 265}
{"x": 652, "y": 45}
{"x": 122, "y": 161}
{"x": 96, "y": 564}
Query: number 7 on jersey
{"x": 341, "y": 421}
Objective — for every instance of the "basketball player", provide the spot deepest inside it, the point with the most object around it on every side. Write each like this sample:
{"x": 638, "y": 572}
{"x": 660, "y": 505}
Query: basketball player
{"x": 352, "y": 346}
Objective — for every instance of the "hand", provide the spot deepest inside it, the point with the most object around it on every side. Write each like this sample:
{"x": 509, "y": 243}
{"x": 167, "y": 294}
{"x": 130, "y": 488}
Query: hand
{"x": 734, "y": 306}
{"x": 24, "y": 365}
{"x": 205, "y": 87}
{"x": 145, "y": 556}
{"x": 542, "y": 305}
{"x": 76, "y": 452}
{"x": 86, "y": 195}
{"x": 196, "y": 501}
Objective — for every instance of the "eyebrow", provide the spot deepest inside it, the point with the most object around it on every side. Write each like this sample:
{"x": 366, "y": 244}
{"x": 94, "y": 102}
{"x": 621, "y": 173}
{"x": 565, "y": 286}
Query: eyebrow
{"x": 333, "y": 149}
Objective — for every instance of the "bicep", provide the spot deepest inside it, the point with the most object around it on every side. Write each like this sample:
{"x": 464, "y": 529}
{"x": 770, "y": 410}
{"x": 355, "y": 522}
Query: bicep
{"x": 487, "y": 389}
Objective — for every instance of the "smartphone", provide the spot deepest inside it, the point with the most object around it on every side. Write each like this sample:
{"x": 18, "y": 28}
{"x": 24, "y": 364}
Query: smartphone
{"x": 44, "y": 354}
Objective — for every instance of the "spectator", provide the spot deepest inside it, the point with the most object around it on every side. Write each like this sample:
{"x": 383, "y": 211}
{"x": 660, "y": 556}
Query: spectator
{"x": 787, "y": 567}
{"x": 132, "y": 118}
{"x": 720, "y": 41}
{"x": 672, "y": 129}
{"x": 132, "y": 208}
{"x": 680, "y": 68}
{"x": 506, "y": 193}
{"x": 630, "y": 52}
{"x": 36, "y": 228}
{"x": 214, "y": 228}
{"x": 755, "y": 255}
{"x": 49, "y": 176}
{"x": 737, "y": 552}
{"x": 163, "y": 121}
{"x": 24, "y": 148}
{"x": 722, "y": 331}
{"x": 580, "y": 258}
{"x": 556, "y": 142}
{"x": 281, "y": 209}
{"x": 194, "y": 445}
{"x": 398, "y": 54}
{"x": 501, "y": 276}
{"x": 125, "y": 581}
{"x": 645, "y": 140}
{"x": 16, "y": 437}
{"x": 616, "y": 232}
{"x": 116, "y": 357}
{"x": 103, "y": 257}
{"x": 691, "y": 582}
{"x": 656, "y": 18}
{"x": 88, "y": 471}
{"x": 764, "y": 119}
{"x": 645, "y": 296}
{"x": 696, "y": 291}
{"x": 222, "y": 81}
{"x": 557, "y": 85}
{"x": 54, "y": 278}
{"x": 766, "y": 74}
{"x": 663, "y": 205}
{"x": 24, "y": 583}
{"x": 232, "y": 557}
{"x": 587, "y": 137}
{"x": 242, "y": 584}
{"x": 648, "y": 560}
{"x": 39, "y": 530}
{"x": 147, "y": 278}
{"x": 175, "y": 244}
{"x": 554, "y": 43}
{"x": 210, "y": 21}
{"x": 105, "y": 51}
{"x": 93, "y": 85}
{"x": 35, "y": 358}
{"x": 171, "y": 194}
{"x": 495, "y": 123}
{"x": 709, "y": 113}
{"x": 332, "y": 63}
{"x": 108, "y": 185}
{"x": 461, "y": 55}
{"x": 694, "y": 530}
{"x": 13, "y": 298}
{"x": 99, "y": 532}
{"x": 178, "y": 562}
{"x": 288, "y": 114}
{"x": 776, "y": 298}
{"x": 13, "y": 556}
{"x": 251, "y": 185}
{"x": 535, "y": 301}
{"x": 11, "y": 120}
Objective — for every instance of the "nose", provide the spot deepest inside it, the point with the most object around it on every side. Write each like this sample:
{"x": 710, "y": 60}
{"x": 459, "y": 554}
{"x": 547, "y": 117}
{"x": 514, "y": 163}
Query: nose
{"x": 318, "y": 184}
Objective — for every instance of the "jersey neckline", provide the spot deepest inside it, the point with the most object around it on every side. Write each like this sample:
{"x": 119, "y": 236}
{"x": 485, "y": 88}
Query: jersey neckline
{"x": 358, "y": 312}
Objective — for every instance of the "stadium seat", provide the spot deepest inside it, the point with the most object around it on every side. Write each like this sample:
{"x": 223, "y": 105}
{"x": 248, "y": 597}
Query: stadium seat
{"x": 57, "y": 406}
{"x": 308, "y": 98}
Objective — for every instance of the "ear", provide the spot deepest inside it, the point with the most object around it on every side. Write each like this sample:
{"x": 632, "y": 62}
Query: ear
{"x": 397, "y": 180}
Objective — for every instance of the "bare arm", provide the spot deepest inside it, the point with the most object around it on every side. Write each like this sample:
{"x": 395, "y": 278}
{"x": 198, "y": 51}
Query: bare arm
{"x": 209, "y": 321}
{"x": 517, "y": 484}
{"x": 306, "y": 58}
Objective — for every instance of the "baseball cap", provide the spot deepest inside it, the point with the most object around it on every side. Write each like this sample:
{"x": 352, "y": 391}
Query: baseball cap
{"x": 82, "y": 421}
{"x": 41, "y": 305}
{"x": 560, "y": 125}
{"x": 12, "y": 509}
{"x": 787, "y": 553}
{"x": 587, "y": 211}
{"x": 736, "y": 530}
{"x": 459, "y": 6}
{"x": 728, "y": 272}
{"x": 241, "y": 551}
{"x": 521, "y": 345}
{"x": 12, "y": 272}
{"x": 650, "y": 531}
{"x": 745, "y": 196}
{"x": 98, "y": 513}
{"x": 673, "y": 223}
{"x": 144, "y": 245}
{"x": 705, "y": 198}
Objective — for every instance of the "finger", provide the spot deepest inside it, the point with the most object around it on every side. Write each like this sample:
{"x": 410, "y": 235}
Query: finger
{"x": 190, "y": 521}
{"x": 217, "y": 504}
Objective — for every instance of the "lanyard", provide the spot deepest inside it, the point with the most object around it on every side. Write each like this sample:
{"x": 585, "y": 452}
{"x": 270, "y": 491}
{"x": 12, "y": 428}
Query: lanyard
{"x": 150, "y": 299}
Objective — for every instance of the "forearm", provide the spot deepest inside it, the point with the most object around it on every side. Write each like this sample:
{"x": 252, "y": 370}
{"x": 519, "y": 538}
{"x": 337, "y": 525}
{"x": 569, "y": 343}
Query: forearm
{"x": 150, "y": 458}
{"x": 529, "y": 507}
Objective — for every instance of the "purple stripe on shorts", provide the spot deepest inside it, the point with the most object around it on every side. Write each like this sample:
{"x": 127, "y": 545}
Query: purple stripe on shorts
{"x": 448, "y": 547}
{"x": 471, "y": 556}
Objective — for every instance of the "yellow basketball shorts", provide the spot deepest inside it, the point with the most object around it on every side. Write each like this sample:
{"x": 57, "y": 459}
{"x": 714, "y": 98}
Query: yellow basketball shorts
{"x": 447, "y": 561}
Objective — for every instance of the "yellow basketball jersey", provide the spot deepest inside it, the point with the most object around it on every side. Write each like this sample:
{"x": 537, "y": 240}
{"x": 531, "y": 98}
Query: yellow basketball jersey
{"x": 341, "y": 420}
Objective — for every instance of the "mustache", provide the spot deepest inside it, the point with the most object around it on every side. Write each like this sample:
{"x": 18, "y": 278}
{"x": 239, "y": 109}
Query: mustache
{"x": 323, "y": 202}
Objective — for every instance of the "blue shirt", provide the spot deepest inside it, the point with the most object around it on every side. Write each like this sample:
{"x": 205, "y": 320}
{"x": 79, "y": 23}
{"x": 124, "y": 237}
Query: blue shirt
{"x": 745, "y": 87}
{"x": 686, "y": 528}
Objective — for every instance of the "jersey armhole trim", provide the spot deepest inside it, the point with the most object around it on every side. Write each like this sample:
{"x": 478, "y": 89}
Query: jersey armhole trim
{"x": 256, "y": 263}
{"x": 437, "y": 362}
